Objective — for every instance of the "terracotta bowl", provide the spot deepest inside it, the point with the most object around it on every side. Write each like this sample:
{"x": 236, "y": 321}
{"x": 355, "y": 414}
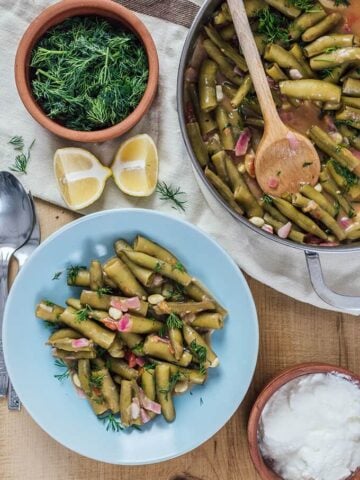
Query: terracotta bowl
{"x": 264, "y": 470}
{"x": 57, "y": 14}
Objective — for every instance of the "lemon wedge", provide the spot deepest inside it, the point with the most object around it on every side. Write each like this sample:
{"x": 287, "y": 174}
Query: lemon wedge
{"x": 81, "y": 177}
{"x": 135, "y": 167}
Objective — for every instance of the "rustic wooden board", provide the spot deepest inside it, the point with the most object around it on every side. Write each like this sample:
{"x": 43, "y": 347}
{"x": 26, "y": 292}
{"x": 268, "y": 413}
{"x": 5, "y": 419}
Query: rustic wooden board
{"x": 290, "y": 333}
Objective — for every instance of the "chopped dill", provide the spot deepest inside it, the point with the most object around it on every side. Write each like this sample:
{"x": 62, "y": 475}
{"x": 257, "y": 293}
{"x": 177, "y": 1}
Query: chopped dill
{"x": 273, "y": 26}
{"x": 178, "y": 266}
{"x": 158, "y": 267}
{"x": 338, "y": 3}
{"x": 66, "y": 371}
{"x": 326, "y": 72}
{"x": 72, "y": 273}
{"x": 150, "y": 366}
{"x": 83, "y": 314}
{"x": 163, "y": 330}
{"x": 173, "y": 321}
{"x": 96, "y": 380}
{"x": 48, "y": 303}
{"x": 304, "y": 5}
{"x": 104, "y": 291}
{"x": 176, "y": 377}
{"x": 201, "y": 353}
{"x": 22, "y": 160}
{"x": 17, "y": 142}
{"x": 57, "y": 275}
{"x": 177, "y": 293}
{"x": 350, "y": 177}
{"x": 267, "y": 199}
{"x": 112, "y": 423}
{"x": 172, "y": 194}
{"x": 138, "y": 349}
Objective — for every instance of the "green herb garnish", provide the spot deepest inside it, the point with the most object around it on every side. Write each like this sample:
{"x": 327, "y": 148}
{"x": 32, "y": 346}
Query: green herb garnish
{"x": 326, "y": 72}
{"x": 177, "y": 293}
{"x": 267, "y": 199}
{"x": 96, "y": 380}
{"x": 17, "y": 142}
{"x": 176, "y": 377}
{"x": 57, "y": 275}
{"x": 201, "y": 402}
{"x": 65, "y": 374}
{"x": 173, "y": 321}
{"x": 48, "y": 303}
{"x": 338, "y": 3}
{"x": 172, "y": 194}
{"x": 21, "y": 161}
{"x": 88, "y": 74}
{"x": 150, "y": 366}
{"x": 51, "y": 326}
{"x": 178, "y": 266}
{"x": 83, "y": 314}
{"x": 138, "y": 349}
{"x": 158, "y": 267}
{"x": 163, "y": 330}
{"x": 104, "y": 291}
{"x": 273, "y": 26}
{"x": 304, "y": 5}
{"x": 72, "y": 273}
{"x": 112, "y": 423}
{"x": 201, "y": 353}
{"x": 350, "y": 177}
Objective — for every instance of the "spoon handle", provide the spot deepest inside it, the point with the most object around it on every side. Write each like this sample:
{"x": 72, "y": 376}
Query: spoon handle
{"x": 5, "y": 255}
{"x": 253, "y": 60}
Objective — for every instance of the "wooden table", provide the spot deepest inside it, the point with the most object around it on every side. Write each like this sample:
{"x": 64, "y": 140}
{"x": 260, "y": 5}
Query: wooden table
{"x": 290, "y": 333}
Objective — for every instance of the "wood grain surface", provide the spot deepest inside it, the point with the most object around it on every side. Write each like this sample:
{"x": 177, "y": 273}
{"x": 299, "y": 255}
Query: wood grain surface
{"x": 290, "y": 333}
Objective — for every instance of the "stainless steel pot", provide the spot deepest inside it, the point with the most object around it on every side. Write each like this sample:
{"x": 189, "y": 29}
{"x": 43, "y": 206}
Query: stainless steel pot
{"x": 342, "y": 302}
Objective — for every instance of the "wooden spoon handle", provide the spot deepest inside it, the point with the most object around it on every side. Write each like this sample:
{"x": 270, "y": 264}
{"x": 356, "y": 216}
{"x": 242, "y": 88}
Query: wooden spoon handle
{"x": 252, "y": 57}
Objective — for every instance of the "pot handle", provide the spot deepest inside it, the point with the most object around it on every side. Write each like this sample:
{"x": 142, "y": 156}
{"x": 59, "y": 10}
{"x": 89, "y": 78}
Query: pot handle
{"x": 342, "y": 302}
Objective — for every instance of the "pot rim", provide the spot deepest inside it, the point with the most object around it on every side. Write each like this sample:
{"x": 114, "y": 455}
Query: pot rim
{"x": 185, "y": 54}
{"x": 66, "y": 9}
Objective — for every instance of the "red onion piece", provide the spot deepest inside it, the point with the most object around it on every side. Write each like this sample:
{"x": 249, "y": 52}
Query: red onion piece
{"x": 125, "y": 323}
{"x": 284, "y": 231}
{"x": 80, "y": 342}
{"x": 243, "y": 142}
{"x": 148, "y": 404}
{"x": 144, "y": 416}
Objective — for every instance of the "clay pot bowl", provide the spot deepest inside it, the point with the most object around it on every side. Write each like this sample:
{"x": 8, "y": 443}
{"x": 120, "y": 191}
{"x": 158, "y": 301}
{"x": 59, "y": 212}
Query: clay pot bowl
{"x": 264, "y": 470}
{"x": 57, "y": 14}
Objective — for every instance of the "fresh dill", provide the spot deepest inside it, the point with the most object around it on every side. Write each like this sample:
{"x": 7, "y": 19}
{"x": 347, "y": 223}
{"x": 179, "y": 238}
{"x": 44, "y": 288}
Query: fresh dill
{"x": 177, "y": 293}
{"x": 158, "y": 267}
{"x": 138, "y": 349}
{"x": 51, "y": 326}
{"x": 178, "y": 266}
{"x": 88, "y": 74}
{"x": 338, "y": 3}
{"x": 330, "y": 50}
{"x": 48, "y": 303}
{"x": 163, "y": 330}
{"x": 267, "y": 199}
{"x": 347, "y": 123}
{"x": 273, "y": 26}
{"x": 306, "y": 6}
{"x": 112, "y": 423}
{"x": 201, "y": 402}
{"x": 83, "y": 314}
{"x": 201, "y": 353}
{"x": 22, "y": 160}
{"x": 350, "y": 177}
{"x": 172, "y": 194}
{"x": 57, "y": 275}
{"x": 66, "y": 371}
{"x": 96, "y": 380}
{"x": 150, "y": 366}
{"x": 326, "y": 72}
{"x": 176, "y": 377}
{"x": 173, "y": 321}
{"x": 72, "y": 272}
{"x": 17, "y": 142}
{"x": 104, "y": 291}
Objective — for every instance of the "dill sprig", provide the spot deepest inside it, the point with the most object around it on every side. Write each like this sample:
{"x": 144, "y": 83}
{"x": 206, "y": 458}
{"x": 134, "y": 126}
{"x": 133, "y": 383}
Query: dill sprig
{"x": 72, "y": 273}
{"x": 173, "y": 195}
{"x": 51, "y": 326}
{"x": 112, "y": 423}
{"x": 17, "y": 142}
{"x": 150, "y": 366}
{"x": 104, "y": 291}
{"x": 326, "y": 72}
{"x": 138, "y": 349}
{"x": 350, "y": 177}
{"x": 88, "y": 74}
{"x": 56, "y": 275}
{"x": 61, "y": 364}
{"x": 83, "y": 314}
{"x": 176, "y": 377}
{"x": 158, "y": 267}
{"x": 163, "y": 330}
{"x": 273, "y": 26}
{"x": 178, "y": 266}
{"x": 173, "y": 321}
{"x": 338, "y": 3}
{"x": 22, "y": 160}
{"x": 267, "y": 199}
{"x": 177, "y": 293}
{"x": 48, "y": 303}
{"x": 96, "y": 380}
{"x": 201, "y": 353}
{"x": 304, "y": 5}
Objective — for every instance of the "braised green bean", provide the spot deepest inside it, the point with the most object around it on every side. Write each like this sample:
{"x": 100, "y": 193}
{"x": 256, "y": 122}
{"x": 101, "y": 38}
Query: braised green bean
{"x": 311, "y": 90}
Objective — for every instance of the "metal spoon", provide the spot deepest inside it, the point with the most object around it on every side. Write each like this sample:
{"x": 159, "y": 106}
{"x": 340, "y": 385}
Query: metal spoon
{"x": 16, "y": 224}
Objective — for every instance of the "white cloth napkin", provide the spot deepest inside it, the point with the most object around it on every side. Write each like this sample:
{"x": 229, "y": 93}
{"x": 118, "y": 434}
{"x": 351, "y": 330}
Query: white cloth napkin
{"x": 280, "y": 267}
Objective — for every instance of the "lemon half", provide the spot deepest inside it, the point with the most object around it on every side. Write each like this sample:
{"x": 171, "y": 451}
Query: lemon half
{"x": 135, "y": 167}
{"x": 81, "y": 177}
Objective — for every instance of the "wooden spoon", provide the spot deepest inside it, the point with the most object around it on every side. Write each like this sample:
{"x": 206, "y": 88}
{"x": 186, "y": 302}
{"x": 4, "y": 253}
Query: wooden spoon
{"x": 285, "y": 159}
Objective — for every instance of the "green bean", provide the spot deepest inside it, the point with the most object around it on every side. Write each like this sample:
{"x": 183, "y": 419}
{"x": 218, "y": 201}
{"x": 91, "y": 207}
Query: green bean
{"x": 248, "y": 201}
{"x": 275, "y": 72}
{"x": 120, "y": 245}
{"x": 197, "y": 143}
{"x": 223, "y": 15}
{"x": 297, "y": 51}
{"x": 260, "y": 41}
{"x": 350, "y": 115}
{"x": 183, "y": 307}
{"x": 351, "y": 101}
{"x": 213, "y": 144}
{"x": 228, "y": 32}
{"x": 228, "y": 90}
{"x": 176, "y": 341}
{"x": 163, "y": 391}
{"x": 108, "y": 388}
{"x": 293, "y": 235}
{"x": 334, "y": 40}
{"x": 48, "y": 311}
{"x": 319, "y": 198}
{"x": 132, "y": 340}
{"x": 277, "y": 54}
{"x": 81, "y": 279}
{"x": 142, "y": 325}
{"x": 103, "y": 302}
{"x": 159, "y": 349}
{"x": 213, "y": 321}
{"x": 108, "y": 282}
{"x": 306, "y": 20}
{"x": 144, "y": 245}
{"x": 97, "y": 402}
{"x": 66, "y": 355}
{"x": 226, "y": 134}
{"x": 64, "y": 333}
{"x": 273, "y": 211}
{"x": 189, "y": 374}
{"x": 299, "y": 218}
{"x": 144, "y": 275}
{"x": 226, "y": 48}
{"x": 207, "y": 85}
{"x": 218, "y": 160}
{"x": 243, "y": 90}
{"x": 333, "y": 74}
{"x": 285, "y": 8}
{"x": 96, "y": 275}
{"x": 223, "y": 190}
{"x": 316, "y": 90}
{"x": 351, "y": 87}
{"x": 322, "y": 27}
{"x": 327, "y": 106}
{"x": 224, "y": 66}
{"x": 148, "y": 386}
{"x": 332, "y": 189}
{"x": 206, "y": 122}
{"x": 116, "y": 350}
{"x": 120, "y": 273}
{"x": 354, "y": 73}
{"x": 311, "y": 207}
{"x": 335, "y": 58}
{"x": 339, "y": 179}
{"x": 354, "y": 192}
{"x": 352, "y": 135}
{"x": 252, "y": 7}
{"x": 88, "y": 328}
{"x": 125, "y": 402}
{"x": 353, "y": 232}
{"x": 198, "y": 292}
{"x": 327, "y": 145}
{"x": 74, "y": 303}
{"x": 175, "y": 272}
{"x": 69, "y": 345}
{"x": 122, "y": 368}
{"x": 192, "y": 337}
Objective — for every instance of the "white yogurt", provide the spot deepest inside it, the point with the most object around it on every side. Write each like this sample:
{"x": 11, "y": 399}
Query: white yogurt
{"x": 310, "y": 428}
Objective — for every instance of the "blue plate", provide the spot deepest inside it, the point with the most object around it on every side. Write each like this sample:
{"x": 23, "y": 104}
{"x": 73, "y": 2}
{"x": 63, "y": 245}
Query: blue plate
{"x": 55, "y": 405}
